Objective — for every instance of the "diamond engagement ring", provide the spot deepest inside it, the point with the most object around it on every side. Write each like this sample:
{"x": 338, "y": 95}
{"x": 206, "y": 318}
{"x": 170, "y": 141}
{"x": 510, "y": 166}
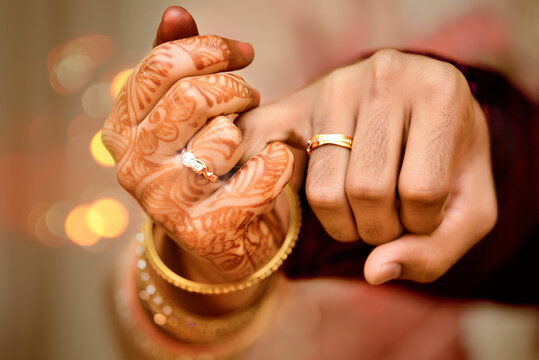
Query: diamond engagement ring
{"x": 197, "y": 166}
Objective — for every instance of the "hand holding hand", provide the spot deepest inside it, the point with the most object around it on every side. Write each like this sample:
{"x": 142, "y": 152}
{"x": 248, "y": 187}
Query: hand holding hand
{"x": 172, "y": 101}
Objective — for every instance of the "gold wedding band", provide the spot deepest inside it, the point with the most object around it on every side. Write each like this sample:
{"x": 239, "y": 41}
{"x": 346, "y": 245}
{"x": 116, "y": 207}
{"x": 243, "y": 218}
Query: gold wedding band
{"x": 333, "y": 139}
{"x": 197, "y": 166}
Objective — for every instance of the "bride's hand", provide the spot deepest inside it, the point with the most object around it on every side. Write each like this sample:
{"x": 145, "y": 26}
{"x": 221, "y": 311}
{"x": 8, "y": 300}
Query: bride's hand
{"x": 172, "y": 101}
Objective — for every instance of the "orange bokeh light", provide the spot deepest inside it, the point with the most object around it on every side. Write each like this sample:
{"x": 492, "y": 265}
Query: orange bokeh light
{"x": 77, "y": 228}
{"x": 107, "y": 218}
{"x": 99, "y": 152}
{"x": 72, "y": 64}
{"x": 118, "y": 81}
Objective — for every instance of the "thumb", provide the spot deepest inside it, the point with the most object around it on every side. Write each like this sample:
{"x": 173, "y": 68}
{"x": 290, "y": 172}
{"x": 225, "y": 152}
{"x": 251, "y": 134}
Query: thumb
{"x": 287, "y": 120}
{"x": 176, "y": 23}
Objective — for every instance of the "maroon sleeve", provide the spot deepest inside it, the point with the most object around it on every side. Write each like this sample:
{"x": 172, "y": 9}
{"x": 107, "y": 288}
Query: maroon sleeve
{"x": 503, "y": 266}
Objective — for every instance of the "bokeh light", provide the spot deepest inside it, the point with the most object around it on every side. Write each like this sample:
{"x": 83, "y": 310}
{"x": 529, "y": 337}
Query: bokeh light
{"x": 55, "y": 217}
{"x": 97, "y": 100}
{"x": 33, "y": 216}
{"x": 44, "y": 236}
{"x": 118, "y": 81}
{"x": 107, "y": 218}
{"x": 77, "y": 229}
{"x": 38, "y": 229}
{"x": 99, "y": 152}
{"x": 71, "y": 65}
{"x": 74, "y": 71}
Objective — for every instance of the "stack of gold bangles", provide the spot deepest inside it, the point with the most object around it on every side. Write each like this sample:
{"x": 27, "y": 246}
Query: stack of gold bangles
{"x": 196, "y": 328}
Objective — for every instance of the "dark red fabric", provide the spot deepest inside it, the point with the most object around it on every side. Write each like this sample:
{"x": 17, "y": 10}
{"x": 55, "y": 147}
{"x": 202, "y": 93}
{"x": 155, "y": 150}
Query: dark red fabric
{"x": 504, "y": 265}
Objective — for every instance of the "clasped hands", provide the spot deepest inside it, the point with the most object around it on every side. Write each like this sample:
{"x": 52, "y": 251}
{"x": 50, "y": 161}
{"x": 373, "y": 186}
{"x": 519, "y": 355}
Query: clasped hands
{"x": 417, "y": 183}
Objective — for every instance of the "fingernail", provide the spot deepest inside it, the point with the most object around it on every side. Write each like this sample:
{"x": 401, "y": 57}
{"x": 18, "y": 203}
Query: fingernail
{"x": 388, "y": 272}
{"x": 246, "y": 49}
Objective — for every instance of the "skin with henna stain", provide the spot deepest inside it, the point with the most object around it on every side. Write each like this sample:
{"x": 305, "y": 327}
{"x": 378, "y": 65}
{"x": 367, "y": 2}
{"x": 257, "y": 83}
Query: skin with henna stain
{"x": 173, "y": 100}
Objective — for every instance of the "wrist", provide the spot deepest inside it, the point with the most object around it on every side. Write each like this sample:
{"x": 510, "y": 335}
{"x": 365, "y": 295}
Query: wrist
{"x": 197, "y": 269}
{"x": 262, "y": 240}
{"x": 215, "y": 310}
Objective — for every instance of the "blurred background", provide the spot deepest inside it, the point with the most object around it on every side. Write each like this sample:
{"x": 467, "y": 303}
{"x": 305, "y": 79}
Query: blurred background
{"x": 64, "y": 220}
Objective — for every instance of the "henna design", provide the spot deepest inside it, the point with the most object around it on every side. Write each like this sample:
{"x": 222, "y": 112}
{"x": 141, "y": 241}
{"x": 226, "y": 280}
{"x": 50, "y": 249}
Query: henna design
{"x": 151, "y": 79}
{"x": 199, "y": 47}
{"x": 150, "y": 75}
{"x": 226, "y": 231}
{"x": 210, "y": 144}
{"x": 173, "y": 121}
{"x": 231, "y": 229}
{"x": 117, "y": 131}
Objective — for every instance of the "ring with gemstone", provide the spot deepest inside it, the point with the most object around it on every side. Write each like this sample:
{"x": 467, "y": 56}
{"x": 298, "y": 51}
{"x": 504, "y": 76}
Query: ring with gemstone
{"x": 333, "y": 139}
{"x": 197, "y": 166}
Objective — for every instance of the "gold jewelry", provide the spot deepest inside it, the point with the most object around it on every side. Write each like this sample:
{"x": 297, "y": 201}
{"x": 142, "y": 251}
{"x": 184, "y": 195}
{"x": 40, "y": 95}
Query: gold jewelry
{"x": 197, "y": 166}
{"x": 143, "y": 335}
{"x": 186, "y": 326}
{"x": 334, "y": 139}
{"x": 146, "y": 239}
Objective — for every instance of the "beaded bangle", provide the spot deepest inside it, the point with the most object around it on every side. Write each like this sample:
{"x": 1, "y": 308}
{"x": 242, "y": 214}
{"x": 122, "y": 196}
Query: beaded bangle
{"x": 146, "y": 239}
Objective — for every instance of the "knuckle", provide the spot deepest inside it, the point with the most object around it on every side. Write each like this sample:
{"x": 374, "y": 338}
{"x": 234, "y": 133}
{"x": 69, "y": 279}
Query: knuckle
{"x": 372, "y": 232}
{"x": 443, "y": 81}
{"x": 226, "y": 126}
{"x": 424, "y": 194}
{"x": 339, "y": 233}
{"x": 334, "y": 87}
{"x": 324, "y": 197}
{"x": 232, "y": 133}
{"x": 364, "y": 189}
{"x": 152, "y": 67}
{"x": 385, "y": 66}
{"x": 336, "y": 79}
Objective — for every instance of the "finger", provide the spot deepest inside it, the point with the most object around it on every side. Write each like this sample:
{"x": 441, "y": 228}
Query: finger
{"x": 286, "y": 120}
{"x": 429, "y": 162}
{"x": 335, "y": 113}
{"x": 374, "y": 164}
{"x": 216, "y": 228}
{"x": 163, "y": 67}
{"x": 176, "y": 23}
{"x": 185, "y": 108}
{"x": 470, "y": 215}
{"x": 173, "y": 188}
{"x": 218, "y": 145}
{"x": 232, "y": 209}
{"x": 251, "y": 191}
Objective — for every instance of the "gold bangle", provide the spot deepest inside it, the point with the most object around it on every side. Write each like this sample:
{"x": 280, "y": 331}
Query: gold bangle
{"x": 146, "y": 239}
{"x": 143, "y": 336}
{"x": 189, "y": 327}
